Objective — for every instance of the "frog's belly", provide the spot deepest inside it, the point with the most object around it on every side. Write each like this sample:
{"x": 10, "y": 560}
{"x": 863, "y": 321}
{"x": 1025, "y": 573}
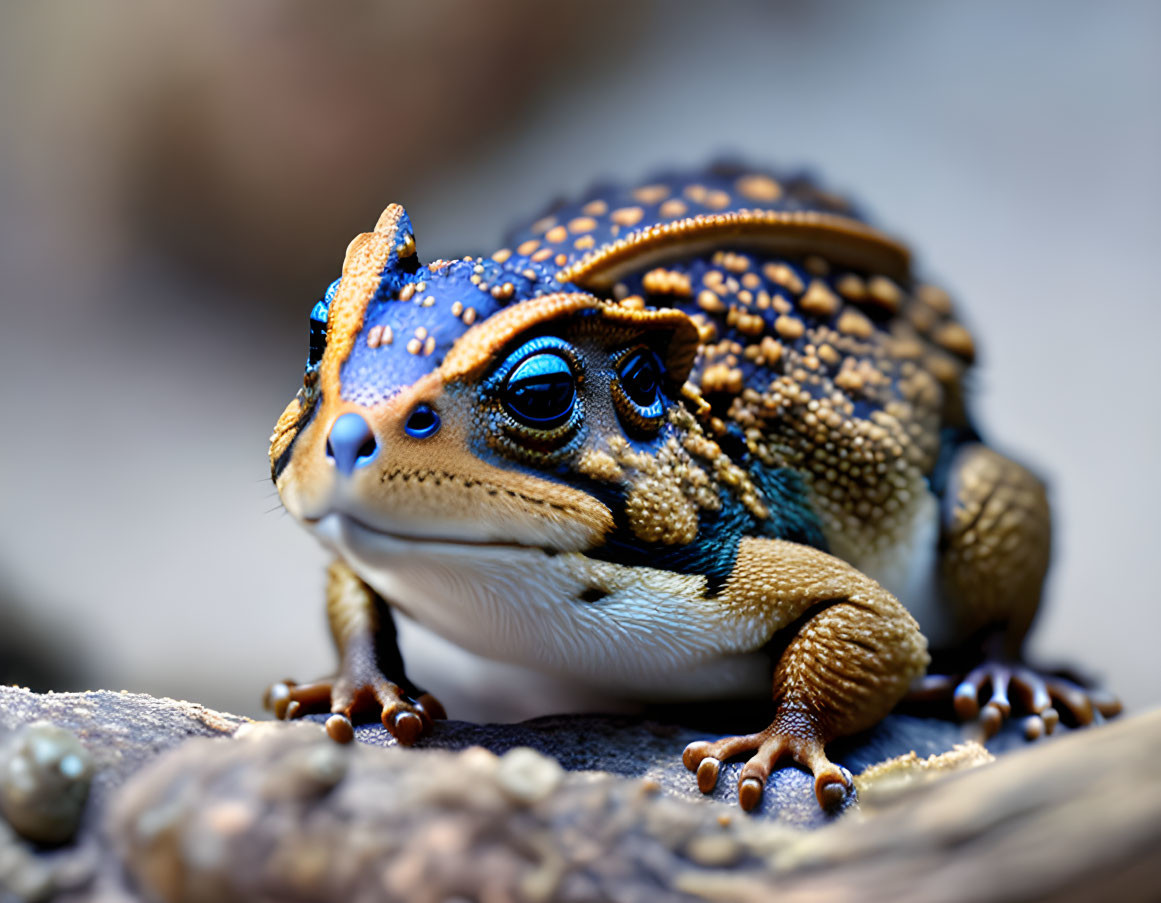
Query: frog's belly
{"x": 651, "y": 635}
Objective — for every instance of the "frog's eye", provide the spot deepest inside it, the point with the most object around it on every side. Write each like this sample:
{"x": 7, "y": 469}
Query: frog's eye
{"x": 637, "y": 389}
{"x": 318, "y": 326}
{"x": 540, "y": 392}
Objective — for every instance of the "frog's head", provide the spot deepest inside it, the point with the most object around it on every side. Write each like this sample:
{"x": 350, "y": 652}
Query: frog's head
{"x": 473, "y": 402}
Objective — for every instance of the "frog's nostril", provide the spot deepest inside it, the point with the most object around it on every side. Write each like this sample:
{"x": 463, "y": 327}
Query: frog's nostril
{"x": 351, "y": 443}
{"x": 422, "y": 422}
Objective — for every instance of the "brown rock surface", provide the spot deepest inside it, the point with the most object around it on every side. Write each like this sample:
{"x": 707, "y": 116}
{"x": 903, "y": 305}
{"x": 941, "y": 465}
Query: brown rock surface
{"x": 281, "y": 813}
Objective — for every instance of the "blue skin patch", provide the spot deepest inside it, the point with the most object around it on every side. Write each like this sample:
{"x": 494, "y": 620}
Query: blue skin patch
{"x": 437, "y": 312}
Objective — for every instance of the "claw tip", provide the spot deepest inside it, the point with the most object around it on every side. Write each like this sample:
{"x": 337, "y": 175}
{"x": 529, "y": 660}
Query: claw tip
{"x": 749, "y": 793}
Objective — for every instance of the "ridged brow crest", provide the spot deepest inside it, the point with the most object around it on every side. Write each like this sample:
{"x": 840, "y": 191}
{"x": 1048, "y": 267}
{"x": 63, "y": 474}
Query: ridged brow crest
{"x": 477, "y": 349}
{"x": 368, "y": 256}
{"x": 795, "y": 232}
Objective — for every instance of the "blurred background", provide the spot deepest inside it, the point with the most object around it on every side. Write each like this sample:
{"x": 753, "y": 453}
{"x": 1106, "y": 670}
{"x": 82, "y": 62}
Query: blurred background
{"x": 178, "y": 182}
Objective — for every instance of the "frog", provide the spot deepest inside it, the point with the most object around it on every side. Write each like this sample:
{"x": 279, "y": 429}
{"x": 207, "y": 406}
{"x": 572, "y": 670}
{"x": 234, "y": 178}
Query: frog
{"x": 693, "y": 438}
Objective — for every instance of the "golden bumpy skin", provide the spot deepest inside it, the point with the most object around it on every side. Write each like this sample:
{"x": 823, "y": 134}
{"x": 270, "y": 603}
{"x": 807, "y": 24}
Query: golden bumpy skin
{"x": 852, "y": 658}
{"x": 662, "y": 433}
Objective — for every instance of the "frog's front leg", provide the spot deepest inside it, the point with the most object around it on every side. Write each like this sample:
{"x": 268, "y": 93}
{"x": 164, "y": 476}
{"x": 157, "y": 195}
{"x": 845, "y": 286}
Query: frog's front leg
{"x": 371, "y": 676}
{"x": 995, "y": 546}
{"x": 851, "y": 652}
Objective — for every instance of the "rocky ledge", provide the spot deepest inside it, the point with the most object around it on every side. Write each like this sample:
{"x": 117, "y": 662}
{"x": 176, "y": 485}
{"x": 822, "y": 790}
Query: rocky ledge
{"x": 186, "y": 804}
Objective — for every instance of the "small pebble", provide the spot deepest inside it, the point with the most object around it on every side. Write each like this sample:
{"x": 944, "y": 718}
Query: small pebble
{"x": 526, "y": 776}
{"x": 45, "y": 775}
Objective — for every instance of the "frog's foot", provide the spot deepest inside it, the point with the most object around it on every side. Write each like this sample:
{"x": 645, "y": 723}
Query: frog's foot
{"x": 770, "y": 746}
{"x": 1041, "y": 698}
{"x": 408, "y": 716}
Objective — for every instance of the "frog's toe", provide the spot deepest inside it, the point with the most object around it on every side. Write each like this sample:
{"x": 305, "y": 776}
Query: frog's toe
{"x": 340, "y": 729}
{"x": 704, "y": 758}
{"x": 405, "y": 717}
{"x": 287, "y": 699}
{"x": 1009, "y": 689}
{"x": 831, "y": 785}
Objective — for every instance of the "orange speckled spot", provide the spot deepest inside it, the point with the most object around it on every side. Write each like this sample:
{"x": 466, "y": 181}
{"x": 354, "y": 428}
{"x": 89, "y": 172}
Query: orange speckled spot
{"x": 560, "y": 259}
{"x": 543, "y": 225}
{"x": 750, "y": 324}
{"x": 556, "y": 234}
{"x": 627, "y": 216}
{"x": 542, "y": 255}
{"x": 942, "y": 367}
{"x": 528, "y": 247}
{"x": 781, "y": 274}
{"x": 595, "y": 208}
{"x": 414, "y": 346}
{"x": 788, "y": 327}
{"x": 710, "y": 303}
{"x": 696, "y": 193}
{"x": 651, "y": 194}
{"x": 429, "y": 345}
{"x": 771, "y": 349}
{"x": 502, "y": 255}
{"x": 757, "y": 187}
{"x": 672, "y": 208}
{"x": 956, "y": 339}
{"x": 936, "y": 298}
{"x": 582, "y": 224}
{"x": 852, "y": 322}
{"x": 717, "y": 200}
{"x": 884, "y": 292}
{"x": 819, "y": 300}
{"x": 584, "y": 243}
{"x": 851, "y": 287}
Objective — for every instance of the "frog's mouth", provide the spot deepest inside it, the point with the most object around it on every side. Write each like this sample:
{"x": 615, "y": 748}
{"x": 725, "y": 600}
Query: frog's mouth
{"x": 339, "y": 530}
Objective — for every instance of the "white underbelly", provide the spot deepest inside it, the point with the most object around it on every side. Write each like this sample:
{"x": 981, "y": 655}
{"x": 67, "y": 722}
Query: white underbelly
{"x": 652, "y": 636}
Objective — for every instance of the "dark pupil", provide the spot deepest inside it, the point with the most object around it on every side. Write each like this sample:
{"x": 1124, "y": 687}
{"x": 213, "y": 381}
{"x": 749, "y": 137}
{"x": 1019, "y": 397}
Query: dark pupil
{"x": 318, "y": 334}
{"x": 541, "y": 391}
{"x": 639, "y": 379}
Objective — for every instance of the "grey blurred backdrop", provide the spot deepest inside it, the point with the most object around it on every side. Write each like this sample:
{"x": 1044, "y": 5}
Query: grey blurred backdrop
{"x": 178, "y": 183}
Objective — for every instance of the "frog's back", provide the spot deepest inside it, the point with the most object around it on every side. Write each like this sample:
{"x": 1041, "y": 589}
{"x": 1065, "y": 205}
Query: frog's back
{"x": 820, "y": 356}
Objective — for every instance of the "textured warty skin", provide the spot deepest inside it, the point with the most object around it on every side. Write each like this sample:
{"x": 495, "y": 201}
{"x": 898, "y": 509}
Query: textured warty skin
{"x": 667, "y": 441}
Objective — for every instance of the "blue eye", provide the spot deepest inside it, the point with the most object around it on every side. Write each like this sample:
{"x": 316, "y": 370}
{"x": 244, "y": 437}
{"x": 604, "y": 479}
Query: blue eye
{"x": 639, "y": 375}
{"x": 541, "y": 391}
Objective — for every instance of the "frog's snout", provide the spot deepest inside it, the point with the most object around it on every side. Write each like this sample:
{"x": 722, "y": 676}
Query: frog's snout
{"x": 351, "y": 443}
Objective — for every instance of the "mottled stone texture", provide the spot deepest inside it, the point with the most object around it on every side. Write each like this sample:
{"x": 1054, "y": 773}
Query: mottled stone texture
{"x": 281, "y": 813}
